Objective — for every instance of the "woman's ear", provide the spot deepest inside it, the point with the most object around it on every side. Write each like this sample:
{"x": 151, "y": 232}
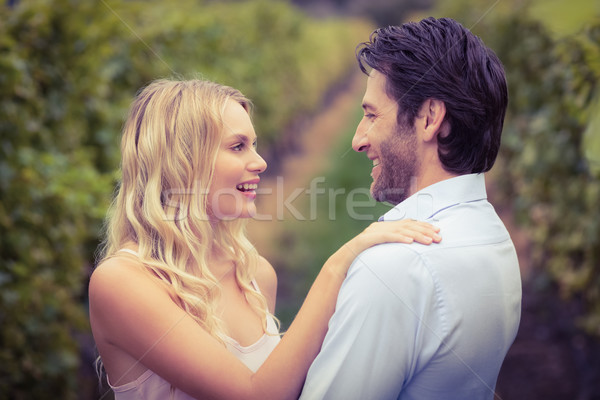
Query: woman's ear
{"x": 431, "y": 117}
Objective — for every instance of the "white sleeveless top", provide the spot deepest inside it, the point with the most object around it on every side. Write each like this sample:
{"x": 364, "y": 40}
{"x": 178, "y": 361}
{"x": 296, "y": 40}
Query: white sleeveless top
{"x": 150, "y": 386}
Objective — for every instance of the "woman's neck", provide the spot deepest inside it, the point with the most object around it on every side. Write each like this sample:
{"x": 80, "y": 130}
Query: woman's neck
{"x": 221, "y": 265}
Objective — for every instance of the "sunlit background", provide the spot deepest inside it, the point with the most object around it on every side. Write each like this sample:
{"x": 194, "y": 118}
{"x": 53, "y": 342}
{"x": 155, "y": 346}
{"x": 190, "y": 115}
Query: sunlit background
{"x": 69, "y": 68}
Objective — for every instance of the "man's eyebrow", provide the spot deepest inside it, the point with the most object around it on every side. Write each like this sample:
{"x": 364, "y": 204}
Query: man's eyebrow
{"x": 366, "y": 105}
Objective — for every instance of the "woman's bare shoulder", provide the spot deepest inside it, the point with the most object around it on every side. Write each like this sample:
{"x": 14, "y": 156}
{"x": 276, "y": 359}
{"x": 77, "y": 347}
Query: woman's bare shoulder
{"x": 117, "y": 279}
{"x": 125, "y": 266}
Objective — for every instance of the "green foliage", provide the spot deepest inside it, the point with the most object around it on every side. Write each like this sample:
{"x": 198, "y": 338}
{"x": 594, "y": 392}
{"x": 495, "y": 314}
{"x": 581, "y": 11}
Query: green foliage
{"x": 557, "y": 191}
{"x": 273, "y": 53}
{"x": 53, "y": 198}
{"x": 68, "y": 70}
{"x": 546, "y": 168}
{"x": 564, "y": 18}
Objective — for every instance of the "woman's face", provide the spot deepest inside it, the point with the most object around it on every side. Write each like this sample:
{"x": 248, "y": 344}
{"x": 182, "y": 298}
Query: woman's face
{"x": 235, "y": 179}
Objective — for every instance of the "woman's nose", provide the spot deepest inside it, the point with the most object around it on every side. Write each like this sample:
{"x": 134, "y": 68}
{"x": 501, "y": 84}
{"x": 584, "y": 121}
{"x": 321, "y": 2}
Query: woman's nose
{"x": 258, "y": 164}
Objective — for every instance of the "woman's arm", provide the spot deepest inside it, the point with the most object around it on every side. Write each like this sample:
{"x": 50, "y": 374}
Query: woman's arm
{"x": 130, "y": 311}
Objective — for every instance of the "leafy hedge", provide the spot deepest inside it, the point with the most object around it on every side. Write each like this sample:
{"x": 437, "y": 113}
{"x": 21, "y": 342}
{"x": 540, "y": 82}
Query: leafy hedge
{"x": 556, "y": 191}
{"x": 548, "y": 169}
{"x": 280, "y": 58}
{"x": 68, "y": 70}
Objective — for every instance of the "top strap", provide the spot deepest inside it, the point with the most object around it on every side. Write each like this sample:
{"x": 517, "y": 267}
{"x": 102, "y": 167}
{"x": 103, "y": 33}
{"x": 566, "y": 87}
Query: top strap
{"x": 128, "y": 251}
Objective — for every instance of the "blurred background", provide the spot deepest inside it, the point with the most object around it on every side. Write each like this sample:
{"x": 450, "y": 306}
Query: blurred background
{"x": 69, "y": 69}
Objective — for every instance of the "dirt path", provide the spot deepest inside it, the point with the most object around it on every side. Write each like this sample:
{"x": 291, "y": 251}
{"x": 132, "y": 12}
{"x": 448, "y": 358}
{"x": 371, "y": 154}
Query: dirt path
{"x": 298, "y": 169}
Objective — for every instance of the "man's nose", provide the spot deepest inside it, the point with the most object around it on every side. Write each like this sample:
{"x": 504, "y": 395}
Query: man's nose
{"x": 360, "y": 141}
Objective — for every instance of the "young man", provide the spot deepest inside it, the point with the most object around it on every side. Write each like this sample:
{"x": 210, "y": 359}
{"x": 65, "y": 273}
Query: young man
{"x": 427, "y": 322}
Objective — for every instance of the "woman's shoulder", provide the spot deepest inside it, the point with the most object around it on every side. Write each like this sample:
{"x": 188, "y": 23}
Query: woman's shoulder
{"x": 121, "y": 265}
{"x": 118, "y": 277}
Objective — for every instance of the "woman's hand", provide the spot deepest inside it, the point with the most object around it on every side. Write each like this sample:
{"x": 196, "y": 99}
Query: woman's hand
{"x": 402, "y": 231}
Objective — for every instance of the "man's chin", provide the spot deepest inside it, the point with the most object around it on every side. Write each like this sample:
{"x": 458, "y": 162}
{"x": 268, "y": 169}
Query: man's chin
{"x": 378, "y": 195}
{"x": 375, "y": 193}
{"x": 392, "y": 196}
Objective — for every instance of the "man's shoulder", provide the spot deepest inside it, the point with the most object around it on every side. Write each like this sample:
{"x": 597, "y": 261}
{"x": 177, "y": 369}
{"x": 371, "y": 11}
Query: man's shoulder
{"x": 388, "y": 251}
{"x": 388, "y": 255}
{"x": 388, "y": 266}
{"x": 470, "y": 224}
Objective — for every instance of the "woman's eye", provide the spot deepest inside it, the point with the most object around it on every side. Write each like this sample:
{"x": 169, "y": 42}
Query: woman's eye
{"x": 238, "y": 147}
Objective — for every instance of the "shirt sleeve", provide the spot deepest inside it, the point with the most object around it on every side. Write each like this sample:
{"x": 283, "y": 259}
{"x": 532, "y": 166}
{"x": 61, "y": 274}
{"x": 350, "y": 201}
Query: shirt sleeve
{"x": 383, "y": 330}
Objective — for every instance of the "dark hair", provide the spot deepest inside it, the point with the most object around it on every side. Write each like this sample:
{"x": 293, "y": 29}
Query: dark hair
{"x": 440, "y": 59}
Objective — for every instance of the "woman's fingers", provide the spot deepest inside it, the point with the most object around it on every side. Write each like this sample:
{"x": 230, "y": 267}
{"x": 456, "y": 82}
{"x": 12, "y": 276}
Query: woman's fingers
{"x": 404, "y": 231}
{"x": 422, "y": 234}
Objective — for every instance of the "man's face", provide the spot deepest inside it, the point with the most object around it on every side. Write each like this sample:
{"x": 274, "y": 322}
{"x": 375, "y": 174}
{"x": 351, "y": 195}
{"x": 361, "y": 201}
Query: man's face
{"x": 392, "y": 148}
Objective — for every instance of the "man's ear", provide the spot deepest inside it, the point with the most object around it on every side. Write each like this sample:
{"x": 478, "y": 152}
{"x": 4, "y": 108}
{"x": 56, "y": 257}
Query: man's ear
{"x": 432, "y": 114}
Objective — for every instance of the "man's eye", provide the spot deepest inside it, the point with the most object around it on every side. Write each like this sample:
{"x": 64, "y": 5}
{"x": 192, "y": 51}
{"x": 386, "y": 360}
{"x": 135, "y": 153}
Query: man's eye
{"x": 369, "y": 116}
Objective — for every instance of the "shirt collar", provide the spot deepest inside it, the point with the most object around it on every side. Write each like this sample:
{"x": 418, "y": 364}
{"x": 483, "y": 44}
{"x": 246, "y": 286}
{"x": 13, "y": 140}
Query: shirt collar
{"x": 429, "y": 201}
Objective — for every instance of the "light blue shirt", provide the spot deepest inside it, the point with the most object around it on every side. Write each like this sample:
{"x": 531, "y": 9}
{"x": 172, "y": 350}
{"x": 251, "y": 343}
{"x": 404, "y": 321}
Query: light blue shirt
{"x": 426, "y": 322}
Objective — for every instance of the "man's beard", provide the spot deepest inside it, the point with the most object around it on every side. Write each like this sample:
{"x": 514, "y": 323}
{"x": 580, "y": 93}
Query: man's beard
{"x": 399, "y": 165}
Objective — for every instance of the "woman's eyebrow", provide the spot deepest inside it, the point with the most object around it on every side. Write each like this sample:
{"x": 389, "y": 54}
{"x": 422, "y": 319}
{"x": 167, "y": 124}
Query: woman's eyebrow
{"x": 240, "y": 137}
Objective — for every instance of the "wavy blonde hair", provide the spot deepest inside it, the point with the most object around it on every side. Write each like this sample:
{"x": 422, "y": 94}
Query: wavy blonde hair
{"x": 168, "y": 149}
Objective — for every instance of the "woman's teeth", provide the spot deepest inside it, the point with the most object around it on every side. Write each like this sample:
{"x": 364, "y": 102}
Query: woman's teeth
{"x": 247, "y": 186}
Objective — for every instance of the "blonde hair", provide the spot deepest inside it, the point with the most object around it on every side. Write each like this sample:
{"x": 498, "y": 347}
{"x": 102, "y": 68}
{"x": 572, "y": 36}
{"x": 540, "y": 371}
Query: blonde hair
{"x": 168, "y": 149}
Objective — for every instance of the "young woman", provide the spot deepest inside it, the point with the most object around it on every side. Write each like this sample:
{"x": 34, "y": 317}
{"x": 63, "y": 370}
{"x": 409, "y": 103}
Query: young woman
{"x": 181, "y": 304}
